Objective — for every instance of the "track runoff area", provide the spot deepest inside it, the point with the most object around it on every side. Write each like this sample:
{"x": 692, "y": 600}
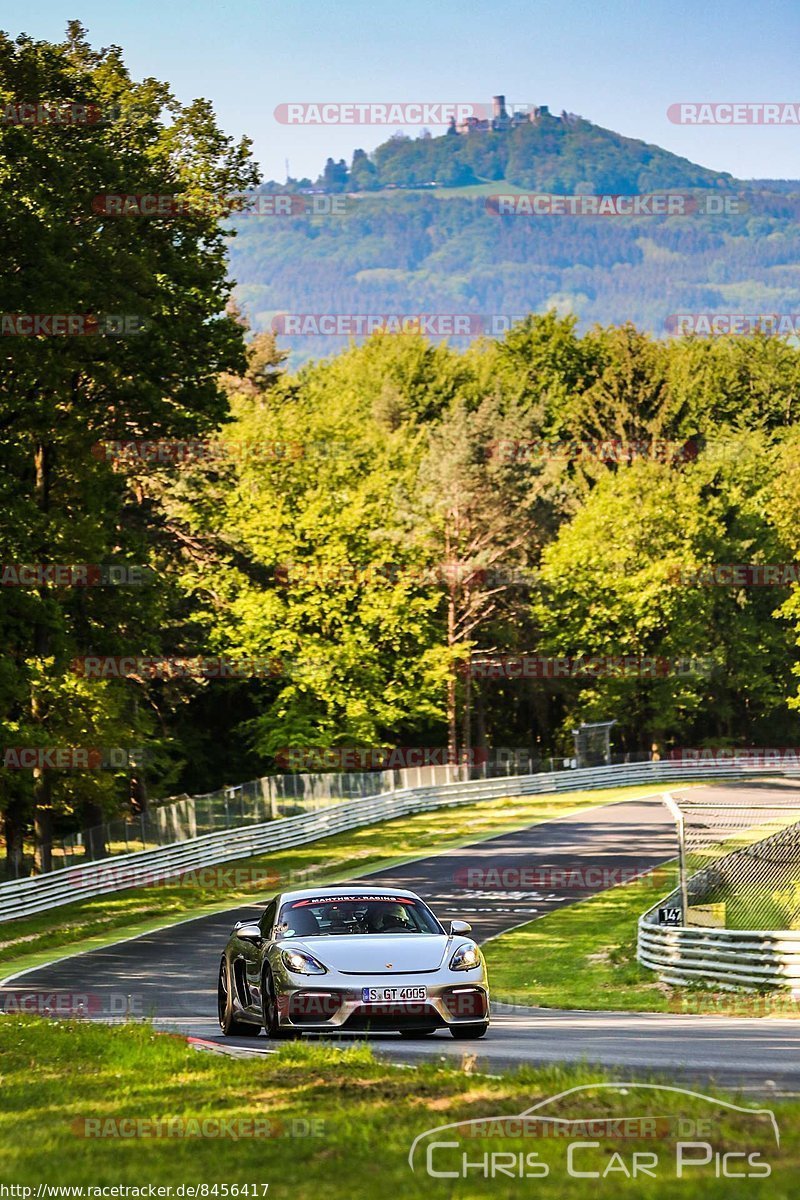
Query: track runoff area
{"x": 496, "y": 884}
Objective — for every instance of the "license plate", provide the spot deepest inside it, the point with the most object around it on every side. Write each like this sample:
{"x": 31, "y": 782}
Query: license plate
{"x": 381, "y": 995}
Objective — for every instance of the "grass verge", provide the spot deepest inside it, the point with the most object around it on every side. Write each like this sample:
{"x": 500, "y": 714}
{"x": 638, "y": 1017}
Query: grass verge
{"x": 584, "y": 956}
{"x": 79, "y": 1105}
{"x": 90, "y": 924}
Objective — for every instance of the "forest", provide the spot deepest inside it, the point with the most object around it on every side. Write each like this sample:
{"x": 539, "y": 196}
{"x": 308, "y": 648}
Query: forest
{"x": 210, "y": 555}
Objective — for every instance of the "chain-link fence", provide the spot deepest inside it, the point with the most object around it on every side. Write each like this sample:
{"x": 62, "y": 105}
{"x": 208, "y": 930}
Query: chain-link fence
{"x": 593, "y": 743}
{"x": 740, "y": 864}
{"x": 269, "y": 798}
{"x": 186, "y": 817}
{"x": 275, "y": 796}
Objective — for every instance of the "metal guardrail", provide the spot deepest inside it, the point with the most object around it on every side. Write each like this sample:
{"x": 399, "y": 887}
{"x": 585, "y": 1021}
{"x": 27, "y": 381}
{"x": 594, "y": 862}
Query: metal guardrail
{"x": 185, "y": 817}
{"x": 749, "y": 958}
{"x": 24, "y": 897}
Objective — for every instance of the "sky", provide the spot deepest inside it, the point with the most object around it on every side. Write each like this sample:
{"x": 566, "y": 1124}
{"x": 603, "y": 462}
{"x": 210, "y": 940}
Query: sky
{"x": 620, "y": 65}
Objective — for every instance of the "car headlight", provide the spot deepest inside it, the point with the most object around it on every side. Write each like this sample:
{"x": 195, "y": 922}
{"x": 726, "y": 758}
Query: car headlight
{"x": 301, "y": 962}
{"x": 466, "y": 957}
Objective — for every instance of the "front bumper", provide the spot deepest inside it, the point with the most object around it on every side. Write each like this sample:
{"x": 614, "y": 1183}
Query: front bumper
{"x": 314, "y": 1004}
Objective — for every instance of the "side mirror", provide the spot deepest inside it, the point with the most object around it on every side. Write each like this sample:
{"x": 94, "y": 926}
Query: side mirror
{"x": 249, "y": 932}
{"x": 460, "y": 927}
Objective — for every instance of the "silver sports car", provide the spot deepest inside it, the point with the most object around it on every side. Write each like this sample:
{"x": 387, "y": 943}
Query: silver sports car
{"x": 354, "y": 958}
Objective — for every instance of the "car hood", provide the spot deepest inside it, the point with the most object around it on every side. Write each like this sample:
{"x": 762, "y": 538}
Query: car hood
{"x": 371, "y": 953}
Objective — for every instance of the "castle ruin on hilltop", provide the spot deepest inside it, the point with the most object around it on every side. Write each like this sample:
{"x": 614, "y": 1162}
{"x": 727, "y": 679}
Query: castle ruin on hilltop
{"x": 502, "y": 120}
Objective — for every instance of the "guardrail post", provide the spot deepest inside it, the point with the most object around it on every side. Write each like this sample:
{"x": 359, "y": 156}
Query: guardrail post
{"x": 677, "y": 816}
{"x": 269, "y": 797}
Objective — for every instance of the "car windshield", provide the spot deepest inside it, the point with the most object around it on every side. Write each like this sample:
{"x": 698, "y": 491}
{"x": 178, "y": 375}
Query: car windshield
{"x": 347, "y": 914}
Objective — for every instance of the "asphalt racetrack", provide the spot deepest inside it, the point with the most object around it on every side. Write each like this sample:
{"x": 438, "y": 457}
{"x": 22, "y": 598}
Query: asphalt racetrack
{"x": 496, "y": 884}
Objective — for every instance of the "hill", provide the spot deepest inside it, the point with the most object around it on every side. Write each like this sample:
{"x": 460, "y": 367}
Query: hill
{"x": 552, "y": 154}
{"x": 397, "y": 245}
{"x": 542, "y": 152}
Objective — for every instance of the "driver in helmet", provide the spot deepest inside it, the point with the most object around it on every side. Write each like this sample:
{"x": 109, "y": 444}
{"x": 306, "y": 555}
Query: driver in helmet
{"x": 393, "y": 916}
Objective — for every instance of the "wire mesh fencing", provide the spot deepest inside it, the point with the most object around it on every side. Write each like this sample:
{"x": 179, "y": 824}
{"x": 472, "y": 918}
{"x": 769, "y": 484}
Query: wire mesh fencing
{"x": 272, "y": 797}
{"x": 186, "y": 817}
{"x": 740, "y": 864}
{"x": 269, "y": 798}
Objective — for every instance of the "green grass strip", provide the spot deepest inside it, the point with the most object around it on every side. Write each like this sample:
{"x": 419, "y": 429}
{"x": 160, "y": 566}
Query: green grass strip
{"x": 77, "y": 1100}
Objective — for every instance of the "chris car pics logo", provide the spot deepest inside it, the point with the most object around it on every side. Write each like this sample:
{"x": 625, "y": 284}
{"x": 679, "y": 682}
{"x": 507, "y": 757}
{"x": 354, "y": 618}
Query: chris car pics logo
{"x": 615, "y": 1131}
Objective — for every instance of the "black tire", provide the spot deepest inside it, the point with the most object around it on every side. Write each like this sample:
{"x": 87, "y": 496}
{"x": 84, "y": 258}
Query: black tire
{"x": 227, "y": 1022}
{"x": 462, "y": 1032}
{"x": 270, "y": 1012}
{"x": 416, "y": 1033}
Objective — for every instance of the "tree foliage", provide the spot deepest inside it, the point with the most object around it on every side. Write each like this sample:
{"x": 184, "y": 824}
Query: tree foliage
{"x": 366, "y": 527}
